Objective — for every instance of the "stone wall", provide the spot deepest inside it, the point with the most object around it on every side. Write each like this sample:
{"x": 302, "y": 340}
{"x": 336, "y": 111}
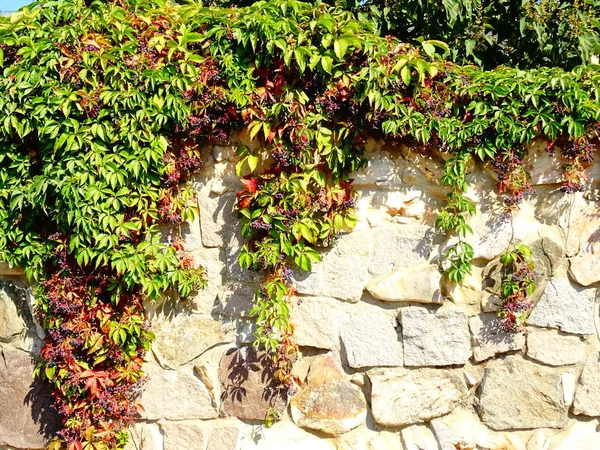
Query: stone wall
{"x": 392, "y": 357}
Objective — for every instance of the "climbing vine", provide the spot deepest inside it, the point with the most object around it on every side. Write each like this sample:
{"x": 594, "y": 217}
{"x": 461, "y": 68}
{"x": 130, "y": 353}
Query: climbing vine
{"x": 104, "y": 108}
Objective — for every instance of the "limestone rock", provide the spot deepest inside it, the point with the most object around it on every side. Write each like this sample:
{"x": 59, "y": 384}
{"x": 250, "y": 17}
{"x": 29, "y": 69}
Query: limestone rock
{"x": 541, "y": 166}
{"x": 587, "y": 397}
{"x": 435, "y": 339}
{"x": 408, "y": 396}
{"x": 309, "y": 283}
{"x": 517, "y": 394}
{"x": 400, "y": 247}
{"x": 185, "y": 337}
{"x": 328, "y": 401}
{"x": 565, "y": 306}
{"x": 213, "y": 261}
{"x": 346, "y": 266}
{"x": 369, "y": 338}
{"x": 418, "y": 284}
{"x": 284, "y": 435}
{"x": 217, "y": 220}
{"x": 12, "y": 323}
{"x": 468, "y": 293}
{"x": 186, "y": 434}
{"x": 419, "y": 437}
{"x": 316, "y": 322}
{"x": 236, "y": 299}
{"x": 248, "y": 386}
{"x": 489, "y": 339}
{"x": 552, "y": 348}
{"x": 578, "y": 436}
{"x": 462, "y": 429}
{"x": 145, "y": 436}
{"x": 26, "y": 418}
{"x": 175, "y": 395}
{"x": 223, "y": 438}
{"x": 221, "y": 153}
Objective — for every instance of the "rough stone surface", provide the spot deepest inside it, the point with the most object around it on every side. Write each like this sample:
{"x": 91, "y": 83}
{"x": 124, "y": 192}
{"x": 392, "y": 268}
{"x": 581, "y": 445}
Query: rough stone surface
{"x": 400, "y": 248}
{"x": 552, "y": 348}
{"x": 419, "y": 437}
{"x": 309, "y": 283}
{"x": 184, "y": 434}
{"x": 346, "y": 266}
{"x": 316, "y": 321}
{"x": 578, "y": 436}
{"x": 328, "y": 402}
{"x": 198, "y": 333}
{"x": 435, "y": 339}
{"x": 236, "y": 299}
{"x": 408, "y": 396}
{"x": 217, "y": 220}
{"x": 461, "y": 429}
{"x": 489, "y": 339}
{"x": 369, "y": 338}
{"x": 223, "y": 438}
{"x": 26, "y": 419}
{"x": 517, "y": 394}
{"x": 247, "y": 384}
{"x": 176, "y": 395}
{"x": 284, "y": 435}
{"x": 417, "y": 284}
{"x": 564, "y": 306}
{"x": 587, "y": 397}
{"x": 145, "y": 436}
{"x": 12, "y": 323}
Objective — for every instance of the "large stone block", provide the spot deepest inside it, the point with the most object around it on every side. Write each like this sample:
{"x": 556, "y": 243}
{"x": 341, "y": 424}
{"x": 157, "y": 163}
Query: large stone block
{"x": 404, "y": 396}
{"x": 26, "y": 418}
{"x": 400, "y": 247}
{"x": 218, "y": 222}
{"x": 517, "y": 394}
{"x": 184, "y": 337}
{"x": 249, "y": 389}
{"x": 419, "y": 284}
{"x": 176, "y": 395}
{"x": 346, "y": 266}
{"x": 552, "y": 348}
{"x": 587, "y": 396}
{"x": 236, "y": 299}
{"x": 12, "y": 305}
{"x": 224, "y": 438}
{"x": 435, "y": 339}
{"x": 489, "y": 339}
{"x": 369, "y": 338}
{"x": 569, "y": 308}
{"x": 317, "y": 321}
{"x": 328, "y": 402}
{"x": 187, "y": 434}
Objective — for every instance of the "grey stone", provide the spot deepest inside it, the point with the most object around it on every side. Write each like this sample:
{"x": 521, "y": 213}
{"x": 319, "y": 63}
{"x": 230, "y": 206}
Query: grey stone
{"x": 420, "y": 284}
{"x": 489, "y": 339}
{"x": 185, "y": 337}
{"x": 328, "y": 401}
{"x": 236, "y": 299}
{"x": 316, "y": 322}
{"x": 26, "y": 418}
{"x": 223, "y": 438}
{"x": 552, "y": 348}
{"x": 183, "y": 435}
{"x": 369, "y": 338}
{"x": 435, "y": 339}
{"x": 175, "y": 395}
{"x": 249, "y": 389}
{"x": 566, "y": 307}
{"x": 346, "y": 266}
{"x": 587, "y": 396}
{"x": 217, "y": 219}
{"x": 518, "y": 394}
{"x": 12, "y": 323}
{"x": 408, "y": 396}
{"x": 308, "y": 283}
{"x": 235, "y": 272}
{"x": 400, "y": 248}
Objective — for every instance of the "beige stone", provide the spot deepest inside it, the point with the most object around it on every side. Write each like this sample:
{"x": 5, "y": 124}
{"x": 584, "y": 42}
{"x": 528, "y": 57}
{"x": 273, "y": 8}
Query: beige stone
{"x": 419, "y": 284}
{"x": 553, "y": 348}
{"x": 489, "y": 339}
{"x": 587, "y": 397}
{"x": 183, "y": 435}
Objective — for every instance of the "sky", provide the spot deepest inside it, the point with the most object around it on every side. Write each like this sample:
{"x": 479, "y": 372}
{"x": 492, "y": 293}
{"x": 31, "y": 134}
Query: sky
{"x": 13, "y": 5}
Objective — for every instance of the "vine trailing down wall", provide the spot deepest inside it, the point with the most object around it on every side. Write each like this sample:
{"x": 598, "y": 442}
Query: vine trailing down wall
{"x": 103, "y": 111}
